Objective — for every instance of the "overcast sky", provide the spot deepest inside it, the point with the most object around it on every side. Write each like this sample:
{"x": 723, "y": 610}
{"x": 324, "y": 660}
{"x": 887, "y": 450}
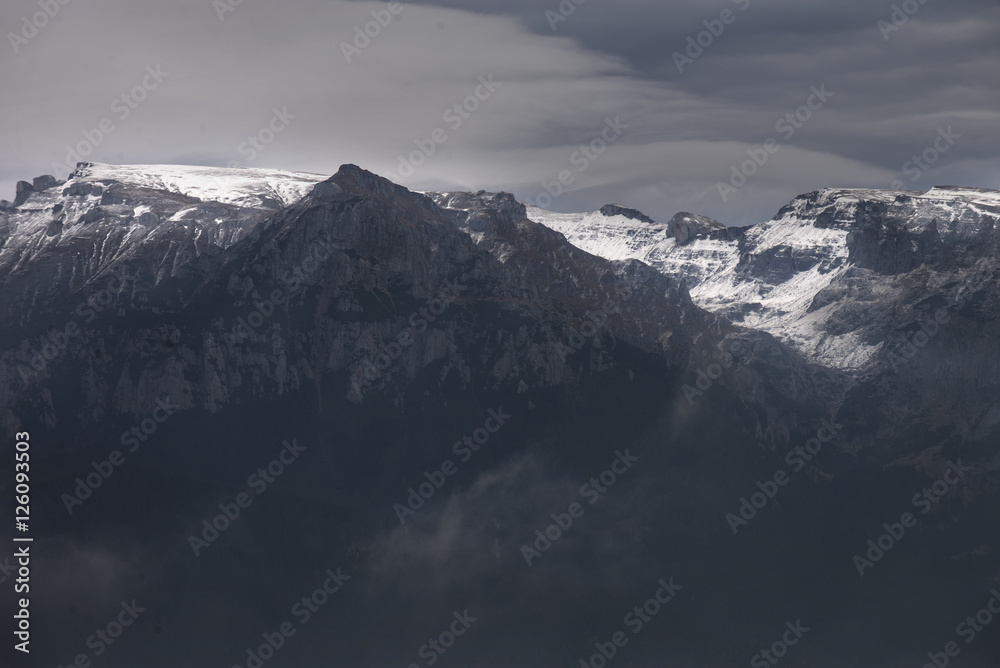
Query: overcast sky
{"x": 225, "y": 69}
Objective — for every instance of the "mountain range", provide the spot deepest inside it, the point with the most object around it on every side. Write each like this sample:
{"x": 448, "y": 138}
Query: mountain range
{"x": 456, "y": 370}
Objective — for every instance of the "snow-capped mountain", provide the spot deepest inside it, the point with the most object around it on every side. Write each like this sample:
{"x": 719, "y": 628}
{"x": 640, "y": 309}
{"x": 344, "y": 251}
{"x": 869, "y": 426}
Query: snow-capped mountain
{"x": 148, "y": 232}
{"x": 385, "y": 330}
{"x": 796, "y": 277}
{"x": 102, "y": 215}
{"x": 781, "y": 276}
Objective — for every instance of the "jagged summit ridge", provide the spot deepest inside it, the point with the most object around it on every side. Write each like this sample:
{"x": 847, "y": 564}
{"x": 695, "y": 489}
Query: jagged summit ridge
{"x": 155, "y": 217}
{"x": 780, "y": 276}
{"x": 611, "y": 210}
{"x": 775, "y": 275}
{"x": 241, "y": 186}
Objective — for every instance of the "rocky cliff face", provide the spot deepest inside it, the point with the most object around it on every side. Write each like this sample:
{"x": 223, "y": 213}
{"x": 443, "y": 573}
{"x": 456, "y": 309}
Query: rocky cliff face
{"x": 845, "y": 279}
{"x": 839, "y": 275}
{"x": 167, "y": 294}
{"x": 380, "y": 327}
{"x": 898, "y": 291}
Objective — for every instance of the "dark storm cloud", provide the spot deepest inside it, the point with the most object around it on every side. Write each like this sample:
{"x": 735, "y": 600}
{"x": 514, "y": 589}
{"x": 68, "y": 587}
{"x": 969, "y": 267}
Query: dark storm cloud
{"x": 228, "y": 76}
{"x": 939, "y": 68}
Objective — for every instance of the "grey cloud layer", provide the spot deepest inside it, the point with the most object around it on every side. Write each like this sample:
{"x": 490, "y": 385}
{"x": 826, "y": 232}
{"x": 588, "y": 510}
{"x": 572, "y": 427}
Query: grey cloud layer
{"x": 607, "y": 59}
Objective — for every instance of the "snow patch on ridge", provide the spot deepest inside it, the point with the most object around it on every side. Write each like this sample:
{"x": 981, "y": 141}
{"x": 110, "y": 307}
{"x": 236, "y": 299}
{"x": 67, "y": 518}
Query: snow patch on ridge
{"x": 769, "y": 279}
{"x": 247, "y": 187}
{"x": 622, "y": 238}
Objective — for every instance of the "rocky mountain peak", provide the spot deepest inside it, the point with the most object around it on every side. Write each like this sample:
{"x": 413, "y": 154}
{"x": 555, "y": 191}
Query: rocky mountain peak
{"x": 686, "y": 226}
{"x": 610, "y": 210}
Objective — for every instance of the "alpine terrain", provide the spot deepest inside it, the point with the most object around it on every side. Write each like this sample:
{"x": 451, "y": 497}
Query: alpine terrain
{"x": 286, "y": 419}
